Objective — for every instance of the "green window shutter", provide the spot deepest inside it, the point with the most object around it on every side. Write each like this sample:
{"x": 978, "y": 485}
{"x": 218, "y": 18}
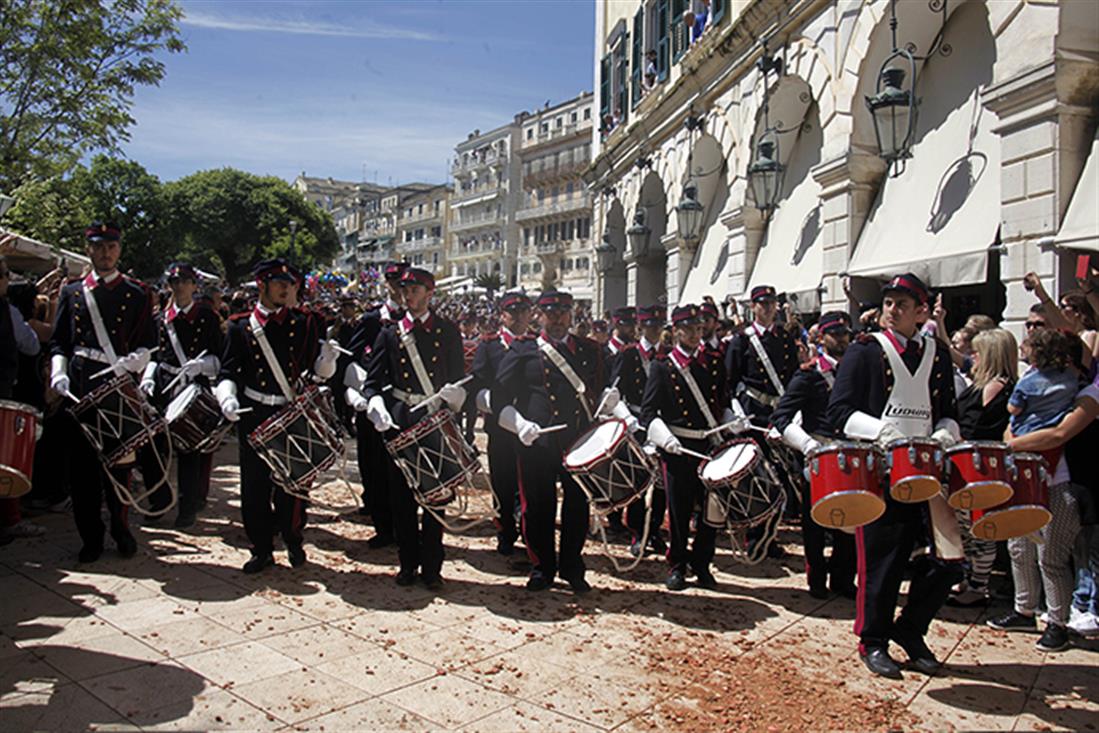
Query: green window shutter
{"x": 622, "y": 76}
{"x": 663, "y": 52}
{"x": 719, "y": 11}
{"x": 604, "y": 89}
{"x": 637, "y": 57}
{"x": 679, "y": 30}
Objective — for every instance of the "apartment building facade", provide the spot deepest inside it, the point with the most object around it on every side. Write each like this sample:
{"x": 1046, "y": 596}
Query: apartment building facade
{"x": 421, "y": 237}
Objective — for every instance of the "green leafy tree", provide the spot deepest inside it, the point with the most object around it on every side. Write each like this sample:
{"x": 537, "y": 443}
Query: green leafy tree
{"x": 68, "y": 72}
{"x": 225, "y": 220}
{"x": 51, "y": 211}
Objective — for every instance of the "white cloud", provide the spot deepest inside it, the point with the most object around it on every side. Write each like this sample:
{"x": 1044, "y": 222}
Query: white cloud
{"x": 257, "y": 24}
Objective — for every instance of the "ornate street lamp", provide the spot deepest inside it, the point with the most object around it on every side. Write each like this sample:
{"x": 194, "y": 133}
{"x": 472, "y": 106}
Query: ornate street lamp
{"x": 765, "y": 176}
{"x": 293, "y": 236}
{"x": 606, "y": 254}
{"x": 639, "y": 234}
{"x": 689, "y": 213}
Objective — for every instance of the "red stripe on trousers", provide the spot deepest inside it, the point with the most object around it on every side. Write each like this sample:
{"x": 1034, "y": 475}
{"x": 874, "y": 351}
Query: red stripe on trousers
{"x": 860, "y": 593}
{"x": 523, "y": 512}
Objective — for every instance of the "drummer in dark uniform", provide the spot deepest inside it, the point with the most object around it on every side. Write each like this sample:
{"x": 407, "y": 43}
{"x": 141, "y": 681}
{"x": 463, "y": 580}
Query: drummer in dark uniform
{"x": 710, "y": 338}
{"x": 248, "y": 380}
{"x": 891, "y": 385}
{"x": 631, "y": 371}
{"x": 515, "y": 312}
{"x": 399, "y": 377}
{"x": 544, "y": 382}
{"x": 191, "y": 342}
{"x": 124, "y": 309}
{"x": 807, "y": 394}
{"x": 342, "y": 330}
{"x": 624, "y": 321}
{"x": 371, "y": 447}
{"x": 675, "y": 420}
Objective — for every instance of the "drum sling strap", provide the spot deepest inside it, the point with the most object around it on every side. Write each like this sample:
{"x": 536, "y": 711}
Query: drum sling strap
{"x": 101, "y": 336}
{"x": 567, "y": 371}
{"x": 269, "y": 356}
{"x": 173, "y": 339}
{"x": 703, "y": 406}
{"x": 408, "y": 342}
{"x": 753, "y": 339}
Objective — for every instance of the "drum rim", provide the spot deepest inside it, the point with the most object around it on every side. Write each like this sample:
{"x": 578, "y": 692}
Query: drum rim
{"x": 905, "y": 442}
{"x": 721, "y": 449}
{"x": 971, "y": 445}
{"x": 615, "y": 444}
{"x": 835, "y": 494}
{"x": 16, "y": 406}
{"x": 24, "y": 478}
{"x": 838, "y": 445}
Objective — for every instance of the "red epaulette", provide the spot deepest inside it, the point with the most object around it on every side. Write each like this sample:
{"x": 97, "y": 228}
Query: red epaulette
{"x": 864, "y": 338}
{"x": 663, "y": 356}
{"x": 238, "y": 316}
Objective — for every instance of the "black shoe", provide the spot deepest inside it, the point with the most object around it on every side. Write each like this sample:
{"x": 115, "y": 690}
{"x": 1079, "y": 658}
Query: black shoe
{"x": 878, "y": 661}
{"x": 635, "y": 548}
{"x": 919, "y": 656}
{"x": 676, "y": 581}
{"x": 297, "y": 555}
{"x": 578, "y": 584}
{"x": 1054, "y": 639}
{"x": 845, "y": 590}
{"x": 505, "y": 547}
{"x": 406, "y": 578}
{"x": 820, "y": 592}
{"x": 776, "y": 551}
{"x": 434, "y": 583}
{"x": 127, "y": 545}
{"x": 379, "y": 541}
{"x": 257, "y": 563}
{"x": 705, "y": 579}
{"x": 1013, "y": 621}
{"x": 90, "y": 553}
{"x": 537, "y": 582}
{"x": 657, "y": 545}
{"x": 185, "y": 519}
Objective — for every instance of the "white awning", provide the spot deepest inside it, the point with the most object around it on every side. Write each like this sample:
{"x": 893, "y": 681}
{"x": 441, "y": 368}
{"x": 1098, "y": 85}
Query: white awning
{"x": 1080, "y": 229}
{"x": 454, "y": 282}
{"x": 939, "y": 217}
{"x": 29, "y": 255}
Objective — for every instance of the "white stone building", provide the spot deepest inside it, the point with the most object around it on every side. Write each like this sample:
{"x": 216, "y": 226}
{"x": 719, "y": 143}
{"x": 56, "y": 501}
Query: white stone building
{"x": 555, "y": 205}
{"x": 422, "y": 229}
{"x": 995, "y": 186}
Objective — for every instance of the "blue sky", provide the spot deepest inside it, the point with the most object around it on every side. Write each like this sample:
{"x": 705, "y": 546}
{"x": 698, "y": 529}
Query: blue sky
{"x": 339, "y": 88}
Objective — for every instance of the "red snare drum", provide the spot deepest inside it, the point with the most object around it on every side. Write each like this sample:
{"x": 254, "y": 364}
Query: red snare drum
{"x": 979, "y": 475}
{"x": 845, "y": 485}
{"x": 18, "y": 425}
{"x": 915, "y": 469}
{"x": 1026, "y": 509}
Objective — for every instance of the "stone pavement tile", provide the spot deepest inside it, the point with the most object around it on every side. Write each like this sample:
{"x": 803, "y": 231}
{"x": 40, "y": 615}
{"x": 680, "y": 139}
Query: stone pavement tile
{"x": 240, "y": 664}
{"x": 103, "y": 655}
{"x": 108, "y": 591}
{"x": 192, "y": 635}
{"x": 298, "y": 695}
{"x": 318, "y": 644}
{"x": 139, "y": 614}
{"x": 449, "y": 701}
{"x": 667, "y": 715}
{"x": 446, "y": 649}
{"x": 996, "y": 657}
{"x": 24, "y": 599}
{"x": 527, "y": 717}
{"x": 67, "y": 708}
{"x": 598, "y": 701}
{"x": 1045, "y": 711}
{"x": 322, "y": 606}
{"x": 516, "y": 673}
{"x": 385, "y": 626}
{"x": 947, "y": 702}
{"x": 581, "y": 654}
{"x": 214, "y": 608}
{"x": 182, "y": 581}
{"x": 263, "y": 621}
{"x": 378, "y": 671}
{"x": 146, "y": 687}
{"x": 372, "y": 715}
{"x": 57, "y": 630}
{"x": 509, "y": 633}
{"x": 212, "y": 709}
{"x": 26, "y": 672}
{"x": 444, "y": 614}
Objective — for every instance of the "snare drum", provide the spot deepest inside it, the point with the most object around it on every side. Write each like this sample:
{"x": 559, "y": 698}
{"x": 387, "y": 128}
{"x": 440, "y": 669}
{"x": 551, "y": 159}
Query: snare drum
{"x": 979, "y": 475}
{"x": 18, "y": 428}
{"x": 297, "y": 443}
{"x": 742, "y": 489}
{"x": 845, "y": 485}
{"x": 1026, "y": 510}
{"x": 117, "y": 420}
{"x": 915, "y": 469}
{"x": 434, "y": 458}
{"x": 195, "y": 421}
{"x": 610, "y": 466}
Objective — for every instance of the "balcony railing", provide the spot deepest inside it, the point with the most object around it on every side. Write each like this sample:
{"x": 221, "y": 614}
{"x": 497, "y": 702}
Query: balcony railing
{"x": 480, "y": 249}
{"x": 561, "y": 165}
{"x": 477, "y": 161}
{"x": 473, "y": 221}
{"x": 579, "y": 202}
{"x": 460, "y": 197}
{"x": 419, "y": 245}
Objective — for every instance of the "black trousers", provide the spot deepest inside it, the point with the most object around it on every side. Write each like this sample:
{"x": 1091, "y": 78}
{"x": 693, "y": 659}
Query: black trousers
{"x": 840, "y": 566}
{"x": 539, "y": 470}
{"x": 192, "y": 476}
{"x": 883, "y": 549}
{"x": 686, "y": 494}
{"x": 419, "y": 538}
{"x": 91, "y": 486}
{"x": 635, "y": 513}
{"x": 264, "y": 506}
{"x": 503, "y": 469}
{"x": 374, "y": 471}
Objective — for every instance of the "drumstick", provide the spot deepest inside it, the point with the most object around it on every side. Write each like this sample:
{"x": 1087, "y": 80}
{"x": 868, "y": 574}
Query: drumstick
{"x": 599, "y": 409}
{"x": 243, "y": 410}
{"x": 435, "y": 396}
{"x": 694, "y": 454}
{"x": 339, "y": 349}
{"x": 70, "y": 395}
{"x": 179, "y": 376}
{"x": 110, "y": 369}
{"x": 551, "y": 429}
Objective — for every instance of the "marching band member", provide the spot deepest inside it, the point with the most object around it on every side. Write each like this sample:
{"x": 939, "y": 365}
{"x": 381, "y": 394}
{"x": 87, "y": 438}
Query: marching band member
{"x": 515, "y": 315}
{"x": 631, "y": 372}
{"x": 190, "y": 342}
{"x": 103, "y": 320}
{"x": 545, "y": 382}
{"x": 412, "y": 360}
{"x": 685, "y": 389}
{"x": 342, "y": 330}
{"x": 268, "y": 350}
{"x": 710, "y": 339}
{"x": 891, "y": 385}
{"x": 807, "y": 394}
{"x": 371, "y": 445}
{"x": 624, "y": 320}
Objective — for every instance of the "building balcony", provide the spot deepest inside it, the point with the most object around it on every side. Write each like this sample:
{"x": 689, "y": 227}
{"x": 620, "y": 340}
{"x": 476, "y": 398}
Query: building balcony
{"x": 419, "y": 245}
{"x": 467, "y": 222}
{"x": 579, "y": 202}
{"x": 475, "y": 195}
{"x": 548, "y": 168}
{"x": 477, "y": 162}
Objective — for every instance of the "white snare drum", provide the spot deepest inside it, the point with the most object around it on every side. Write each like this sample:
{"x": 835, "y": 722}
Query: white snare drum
{"x": 117, "y": 420}
{"x": 195, "y": 421}
{"x": 610, "y": 466}
{"x": 742, "y": 489}
{"x": 434, "y": 458}
{"x": 298, "y": 443}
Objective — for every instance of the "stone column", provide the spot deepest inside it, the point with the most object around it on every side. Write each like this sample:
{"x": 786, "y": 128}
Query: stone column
{"x": 678, "y": 265}
{"x": 745, "y": 233}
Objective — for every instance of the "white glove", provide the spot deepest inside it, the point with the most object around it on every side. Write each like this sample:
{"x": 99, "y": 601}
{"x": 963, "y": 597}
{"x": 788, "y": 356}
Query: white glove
{"x": 610, "y": 399}
{"x": 944, "y": 437}
{"x": 210, "y": 365}
{"x": 887, "y": 435}
{"x": 529, "y": 433}
{"x": 796, "y": 437}
{"x": 524, "y": 429}
{"x": 662, "y": 437}
{"x": 229, "y": 408}
{"x": 134, "y": 362}
{"x": 226, "y": 393}
{"x": 484, "y": 400}
{"x": 147, "y": 386}
{"x": 454, "y": 396}
{"x": 673, "y": 446}
{"x": 59, "y": 374}
{"x": 378, "y": 414}
{"x": 355, "y": 400}
{"x": 325, "y": 365}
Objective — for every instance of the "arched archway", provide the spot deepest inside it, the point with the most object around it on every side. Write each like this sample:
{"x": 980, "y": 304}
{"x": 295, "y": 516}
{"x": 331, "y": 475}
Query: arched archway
{"x": 708, "y": 267}
{"x": 646, "y": 266}
{"x": 614, "y": 279}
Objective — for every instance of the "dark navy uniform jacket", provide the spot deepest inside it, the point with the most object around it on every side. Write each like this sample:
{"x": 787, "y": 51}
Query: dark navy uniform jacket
{"x": 742, "y": 364}
{"x": 864, "y": 380}
{"x": 532, "y": 383}
{"x": 366, "y": 332}
{"x": 808, "y": 392}
{"x": 486, "y": 369}
{"x": 668, "y": 397}
{"x": 629, "y": 370}
{"x": 198, "y": 330}
{"x": 294, "y": 335}
{"x": 126, "y": 306}
{"x": 439, "y": 344}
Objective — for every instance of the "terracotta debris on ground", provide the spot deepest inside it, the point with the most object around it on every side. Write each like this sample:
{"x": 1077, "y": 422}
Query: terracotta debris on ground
{"x": 178, "y": 638}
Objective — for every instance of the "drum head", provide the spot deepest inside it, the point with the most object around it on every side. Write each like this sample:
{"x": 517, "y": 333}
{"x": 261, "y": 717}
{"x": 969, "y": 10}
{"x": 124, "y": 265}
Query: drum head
{"x": 980, "y": 495}
{"x": 594, "y": 444}
{"x": 847, "y": 509}
{"x": 1010, "y": 523}
{"x": 915, "y": 489}
{"x": 730, "y": 462}
{"x": 182, "y": 401}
